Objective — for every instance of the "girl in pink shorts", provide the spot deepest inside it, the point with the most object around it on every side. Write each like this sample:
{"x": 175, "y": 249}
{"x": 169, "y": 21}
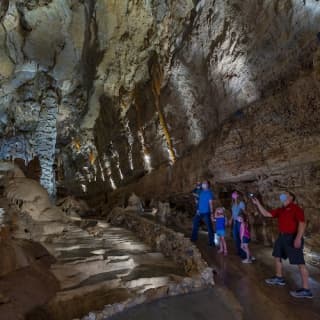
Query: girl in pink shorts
{"x": 245, "y": 236}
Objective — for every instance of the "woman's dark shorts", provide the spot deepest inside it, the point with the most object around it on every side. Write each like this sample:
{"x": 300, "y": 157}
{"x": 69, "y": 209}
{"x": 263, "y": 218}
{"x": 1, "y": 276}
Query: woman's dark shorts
{"x": 245, "y": 240}
{"x": 284, "y": 248}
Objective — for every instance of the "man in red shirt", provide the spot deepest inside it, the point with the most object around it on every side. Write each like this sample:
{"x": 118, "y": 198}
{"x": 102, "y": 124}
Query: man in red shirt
{"x": 291, "y": 223}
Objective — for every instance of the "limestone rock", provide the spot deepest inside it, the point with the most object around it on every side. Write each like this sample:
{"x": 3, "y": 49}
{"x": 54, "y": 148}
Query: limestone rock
{"x": 6, "y": 67}
{"x": 134, "y": 203}
{"x": 29, "y": 195}
{"x": 4, "y": 299}
{"x": 153, "y": 95}
{"x": 163, "y": 211}
{"x": 73, "y": 207}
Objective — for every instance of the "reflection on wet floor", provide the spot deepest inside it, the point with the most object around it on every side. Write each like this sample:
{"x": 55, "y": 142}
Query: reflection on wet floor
{"x": 258, "y": 299}
{"x": 237, "y": 284}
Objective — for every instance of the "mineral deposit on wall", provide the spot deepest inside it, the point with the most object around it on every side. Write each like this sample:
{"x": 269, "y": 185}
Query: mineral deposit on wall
{"x": 106, "y": 92}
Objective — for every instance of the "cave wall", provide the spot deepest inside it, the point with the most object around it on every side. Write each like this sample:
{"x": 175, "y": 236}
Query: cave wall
{"x": 156, "y": 94}
{"x": 43, "y": 92}
{"x": 271, "y": 146}
{"x": 162, "y": 91}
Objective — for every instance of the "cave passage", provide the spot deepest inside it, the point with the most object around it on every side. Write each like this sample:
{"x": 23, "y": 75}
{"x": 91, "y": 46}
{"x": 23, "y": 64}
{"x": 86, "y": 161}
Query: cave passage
{"x": 111, "y": 112}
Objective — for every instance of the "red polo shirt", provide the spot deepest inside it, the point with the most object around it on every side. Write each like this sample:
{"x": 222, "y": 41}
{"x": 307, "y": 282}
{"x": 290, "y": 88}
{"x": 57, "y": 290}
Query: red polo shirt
{"x": 288, "y": 218}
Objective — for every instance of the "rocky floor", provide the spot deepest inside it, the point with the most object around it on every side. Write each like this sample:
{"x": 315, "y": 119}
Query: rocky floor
{"x": 240, "y": 293}
{"x": 25, "y": 282}
{"x": 87, "y": 266}
{"x": 98, "y": 265}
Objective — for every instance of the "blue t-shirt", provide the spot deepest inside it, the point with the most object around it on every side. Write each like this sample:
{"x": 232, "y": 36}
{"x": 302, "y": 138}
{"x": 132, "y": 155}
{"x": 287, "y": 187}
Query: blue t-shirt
{"x": 236, "y": 209}
{"x": 220, "y": 223}
{"x": 204, "y": 198}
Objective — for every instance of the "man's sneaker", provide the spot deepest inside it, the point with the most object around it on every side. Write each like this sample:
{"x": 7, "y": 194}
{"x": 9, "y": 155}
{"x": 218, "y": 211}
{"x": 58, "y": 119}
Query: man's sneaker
{"x": 253, "y": 258}
{"x": 276, "y": 281}
{"x": 302, "y": 293}
{"x": 246, "y": 261}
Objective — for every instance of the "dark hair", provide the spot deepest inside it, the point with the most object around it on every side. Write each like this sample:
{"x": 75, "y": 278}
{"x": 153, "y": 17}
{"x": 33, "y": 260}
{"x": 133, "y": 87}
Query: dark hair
{"x": 244, "y": 216}
{"x": 318, "y": 36}
{"x": 240, "y": 194}
{"x": 292, "y": 195}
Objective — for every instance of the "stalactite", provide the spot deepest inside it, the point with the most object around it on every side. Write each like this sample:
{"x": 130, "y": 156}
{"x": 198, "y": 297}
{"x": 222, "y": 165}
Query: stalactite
{"x": 145, "y": 150}
{"x": 45, "y": 138}
{"x": 76, "y": 144}
{"x": 92, "y": 157}
{"x": 157, "y": 78}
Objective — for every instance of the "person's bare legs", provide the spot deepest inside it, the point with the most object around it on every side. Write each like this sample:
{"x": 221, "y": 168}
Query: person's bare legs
{"x": 245, "y": 248}
{"x": 278, "y": 264}
{"x": 224, "y": 245}
{"x": 304, "y": 276}
{"x": 221, "y": 245}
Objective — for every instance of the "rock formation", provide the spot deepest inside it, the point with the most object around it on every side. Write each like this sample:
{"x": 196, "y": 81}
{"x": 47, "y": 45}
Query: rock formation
{"x": 101, "y": 99}
{"x": 103, "y": 93}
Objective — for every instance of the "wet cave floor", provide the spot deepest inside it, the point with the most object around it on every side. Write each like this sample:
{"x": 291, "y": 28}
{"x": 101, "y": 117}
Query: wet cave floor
{"x": 240, "y": 292}
{"x": 114, "y": 264}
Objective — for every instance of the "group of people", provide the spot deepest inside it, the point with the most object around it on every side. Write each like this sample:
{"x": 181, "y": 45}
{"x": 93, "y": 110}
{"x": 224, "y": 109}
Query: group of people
{"x": 289, "y": 244}
{"x": 204, "y": 198}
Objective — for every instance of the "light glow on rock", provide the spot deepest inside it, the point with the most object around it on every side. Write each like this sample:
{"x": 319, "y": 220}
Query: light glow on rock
{"x": 116, "y": 157}
{"x": 130, "y": 142}
{"x": 181, "y": 81}
{"x": 107, "y": 165}
{"x": 101, "y": 171}
{"x": 112, "y": 183}
{"x": 84, "y": 188}
{"x": 147, "y": 160}
{"x": 145, "y": 153}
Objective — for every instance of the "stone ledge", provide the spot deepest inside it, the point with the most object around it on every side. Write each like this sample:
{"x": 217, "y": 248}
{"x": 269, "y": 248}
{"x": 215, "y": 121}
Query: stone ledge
{"x": 172, "y": 244}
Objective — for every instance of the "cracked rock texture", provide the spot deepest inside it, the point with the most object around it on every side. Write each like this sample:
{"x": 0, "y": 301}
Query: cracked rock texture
{"x": 156, "y": 94}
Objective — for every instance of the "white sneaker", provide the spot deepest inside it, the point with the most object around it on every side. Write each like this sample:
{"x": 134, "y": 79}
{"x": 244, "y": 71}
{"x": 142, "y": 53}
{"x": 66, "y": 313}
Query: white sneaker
{"x": 246, "y": 261}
